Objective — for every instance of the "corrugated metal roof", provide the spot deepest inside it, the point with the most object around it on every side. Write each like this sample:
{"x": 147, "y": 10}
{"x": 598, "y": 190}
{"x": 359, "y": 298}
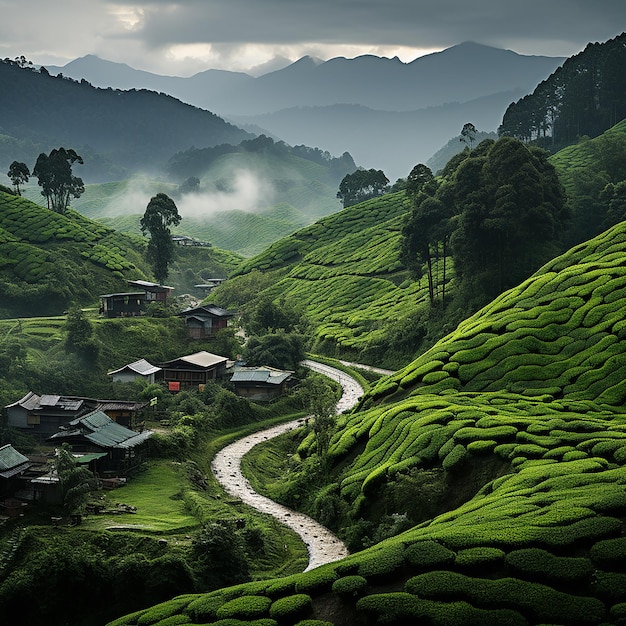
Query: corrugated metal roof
{"x": 49, "y": 400}
{"x": 260, "y": 376}
{"x": 101, "y": 430}
{"x": 143, "y": 367}
{"x": 200, "y": 359}
{"x": 10, "y": 457}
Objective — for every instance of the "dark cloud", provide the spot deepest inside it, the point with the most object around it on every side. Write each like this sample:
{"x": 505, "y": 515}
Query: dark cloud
{"x": 383, "y": 22}
{"x": 233, "y": 34}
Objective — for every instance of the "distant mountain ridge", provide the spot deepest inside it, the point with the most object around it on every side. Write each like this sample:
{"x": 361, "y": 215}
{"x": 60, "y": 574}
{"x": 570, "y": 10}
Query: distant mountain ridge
{"x": 458, "y": 74}
{"x": 398, "y": 95}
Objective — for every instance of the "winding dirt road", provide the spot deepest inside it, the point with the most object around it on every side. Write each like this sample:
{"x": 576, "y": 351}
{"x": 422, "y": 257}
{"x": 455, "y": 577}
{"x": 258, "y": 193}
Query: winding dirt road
{"x": 323, "y": 546}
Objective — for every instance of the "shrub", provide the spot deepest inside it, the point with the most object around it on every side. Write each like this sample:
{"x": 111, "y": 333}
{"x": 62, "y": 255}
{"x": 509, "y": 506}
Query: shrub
{"x": 537, "y": 564}
{"x": 455, "y": 458}
{"x": 317, "y": 580}
{"x": 205, "y": 607}
{"x": 424, "y": 555}
{"x": 609, "y": 552}
{"x": 291, "y": 606}
{"x": 350, "y": 586}
{"x": 245, "y": 607}
{"x": 479, "y": 557}
{"x": 610, "y": 586}
{"x": 381, "y": 562}
{"x": 389, "y": 607}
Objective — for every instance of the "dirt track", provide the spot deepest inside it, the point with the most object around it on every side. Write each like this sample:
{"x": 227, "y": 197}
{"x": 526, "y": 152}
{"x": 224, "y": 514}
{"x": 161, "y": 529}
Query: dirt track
{"x": 323, "y": 546}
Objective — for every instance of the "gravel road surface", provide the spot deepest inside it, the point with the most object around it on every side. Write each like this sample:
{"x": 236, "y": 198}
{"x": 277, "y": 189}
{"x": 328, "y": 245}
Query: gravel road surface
{"x": 323, "y": 546}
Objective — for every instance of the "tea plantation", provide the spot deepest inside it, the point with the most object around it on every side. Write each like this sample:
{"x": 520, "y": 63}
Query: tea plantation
{"x": 520, "y": 410}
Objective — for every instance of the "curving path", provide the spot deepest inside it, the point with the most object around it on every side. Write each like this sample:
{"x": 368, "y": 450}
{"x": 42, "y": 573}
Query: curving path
{"x": 323, "y": 546}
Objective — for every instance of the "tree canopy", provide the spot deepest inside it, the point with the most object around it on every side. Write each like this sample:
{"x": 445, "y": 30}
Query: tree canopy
{"x": 54, "y": 176}
{"x": 161, "y": 213}
{"x": 498, "y": 211}
{"x": 19, "y": 174}
{"x": 362, "y": 185}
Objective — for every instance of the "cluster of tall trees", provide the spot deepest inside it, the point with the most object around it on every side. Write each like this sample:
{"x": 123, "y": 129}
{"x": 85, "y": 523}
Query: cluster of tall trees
{"x": 585, "y": 96}
{"x": 54, "y": 176}
{"x": 497, "y": 211}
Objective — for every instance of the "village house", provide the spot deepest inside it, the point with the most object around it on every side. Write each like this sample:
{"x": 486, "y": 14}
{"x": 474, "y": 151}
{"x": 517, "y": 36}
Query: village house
{"x": 141, "y": 369}
{"x": 203, "y": 322}
{"x": 130, "y": 304}
{"x": 109, "y": 448}
{"x": 42, "y": 415}
{"x": 193, "y": 370}
{"x": 260, "y": 384}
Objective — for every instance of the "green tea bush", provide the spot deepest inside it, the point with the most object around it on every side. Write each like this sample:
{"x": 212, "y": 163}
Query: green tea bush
{"x": 291, "y": 607}
{"x": 540, "y": 565}
{"x": 316, "y": 581}
{"x": 610, "y": 586}
{"x": 609, "y": 553}
{"x": 542, "y": 602}
{"x": 479, "y": 558}
{"x": 350, "y": 586}
{"x": 380, "y": 562}
{"x": 175, "y": 620}
{"x": 424, "y": 555}
{"x": 245, "y": 607}
{"x": 390, "y": 607}
{"x": 455, "y": 459}
{"x": 205, "y": 607}
{"x": 162, "y": 611}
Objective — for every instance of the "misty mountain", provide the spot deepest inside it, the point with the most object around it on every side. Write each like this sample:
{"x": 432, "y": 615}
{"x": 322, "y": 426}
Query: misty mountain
{"x": 388, "y": 120}
{"x": 387, "y": 140}
{"x": 117, "y": 132}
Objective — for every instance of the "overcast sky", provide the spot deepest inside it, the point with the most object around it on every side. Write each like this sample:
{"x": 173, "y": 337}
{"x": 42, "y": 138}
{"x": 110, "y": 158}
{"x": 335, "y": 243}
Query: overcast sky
{"x": 187, "y": 36}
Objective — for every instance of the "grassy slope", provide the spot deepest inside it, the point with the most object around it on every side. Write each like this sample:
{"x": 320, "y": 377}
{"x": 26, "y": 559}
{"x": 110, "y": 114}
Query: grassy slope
{"x": 345, "y": 272}
{"x": 278, "y": 196}
{"x": 533, "y": 383}
{"x": 50, "y": 261}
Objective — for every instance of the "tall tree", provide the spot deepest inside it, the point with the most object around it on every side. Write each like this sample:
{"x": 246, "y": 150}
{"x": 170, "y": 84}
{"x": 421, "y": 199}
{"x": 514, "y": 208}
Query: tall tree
{"x": 468, "y": 135}
{"x": 512, "y": 211}
{"x": 19, "y": 175}
{"x": 161, "y": 213}
{"x": 426, "y": 232}
{"x": 362, "y": 185}
{"x": 54, "y": 176}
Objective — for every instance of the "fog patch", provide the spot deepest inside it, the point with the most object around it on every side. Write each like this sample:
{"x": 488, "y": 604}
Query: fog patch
{"x": 246, "y": 192}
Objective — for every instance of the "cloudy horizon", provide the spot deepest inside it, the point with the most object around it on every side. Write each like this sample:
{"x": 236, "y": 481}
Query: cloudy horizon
{"x": 188, "y": 36}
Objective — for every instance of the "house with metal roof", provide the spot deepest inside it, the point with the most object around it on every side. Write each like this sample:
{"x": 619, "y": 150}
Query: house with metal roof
{"x": 193, "y": 370}
{"x": 132, "y": 371}
{"x": 203, "y": 322}
{"x": 96, "y": 433}
{"x": 12, "y": 465}
{"x": 132, "y": 303}
{"x": 260, "y": 384}
{"x": 42, "y": 415}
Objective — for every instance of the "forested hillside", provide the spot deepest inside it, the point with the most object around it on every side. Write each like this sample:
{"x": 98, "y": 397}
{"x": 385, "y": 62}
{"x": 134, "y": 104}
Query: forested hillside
{"x": 502, "y": 452}
{"x": 117, "y": 132}
{"x": 585, "y": 96}
{"x": 49, "y": 261}
{"x": 240, "y": 198}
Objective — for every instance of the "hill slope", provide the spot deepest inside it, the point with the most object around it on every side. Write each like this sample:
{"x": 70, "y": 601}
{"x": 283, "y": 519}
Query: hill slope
{"x": 117, "y": 131}
{"x": 344, "y": 271}
{"x": 505, "y": 447}
{"x": 49, "y": 261}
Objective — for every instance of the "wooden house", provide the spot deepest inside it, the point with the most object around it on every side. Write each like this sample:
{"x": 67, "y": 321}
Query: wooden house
{"x": 204, "y": 321}
{"x": 260, "y": 384}
{"x": 111, "y": 448}
{"x": 133, "y": 303}
{"x": 132, "y": 371}
{"x": 193, "y": 370}
{"x": 42, "y": 415}
{"x": 13, "y": 465}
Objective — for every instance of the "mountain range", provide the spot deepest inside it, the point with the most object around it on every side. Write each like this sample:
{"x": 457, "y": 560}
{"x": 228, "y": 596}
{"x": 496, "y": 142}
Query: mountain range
{"x": 409, "y": 110}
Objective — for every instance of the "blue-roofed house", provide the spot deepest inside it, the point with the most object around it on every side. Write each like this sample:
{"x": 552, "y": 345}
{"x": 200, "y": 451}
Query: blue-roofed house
{"x": 260, "y": 384}
{"x": 96, "y": 433}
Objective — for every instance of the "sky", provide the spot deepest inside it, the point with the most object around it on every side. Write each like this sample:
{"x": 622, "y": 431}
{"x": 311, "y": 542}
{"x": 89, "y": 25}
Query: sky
{"x": 184, "y": 37}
